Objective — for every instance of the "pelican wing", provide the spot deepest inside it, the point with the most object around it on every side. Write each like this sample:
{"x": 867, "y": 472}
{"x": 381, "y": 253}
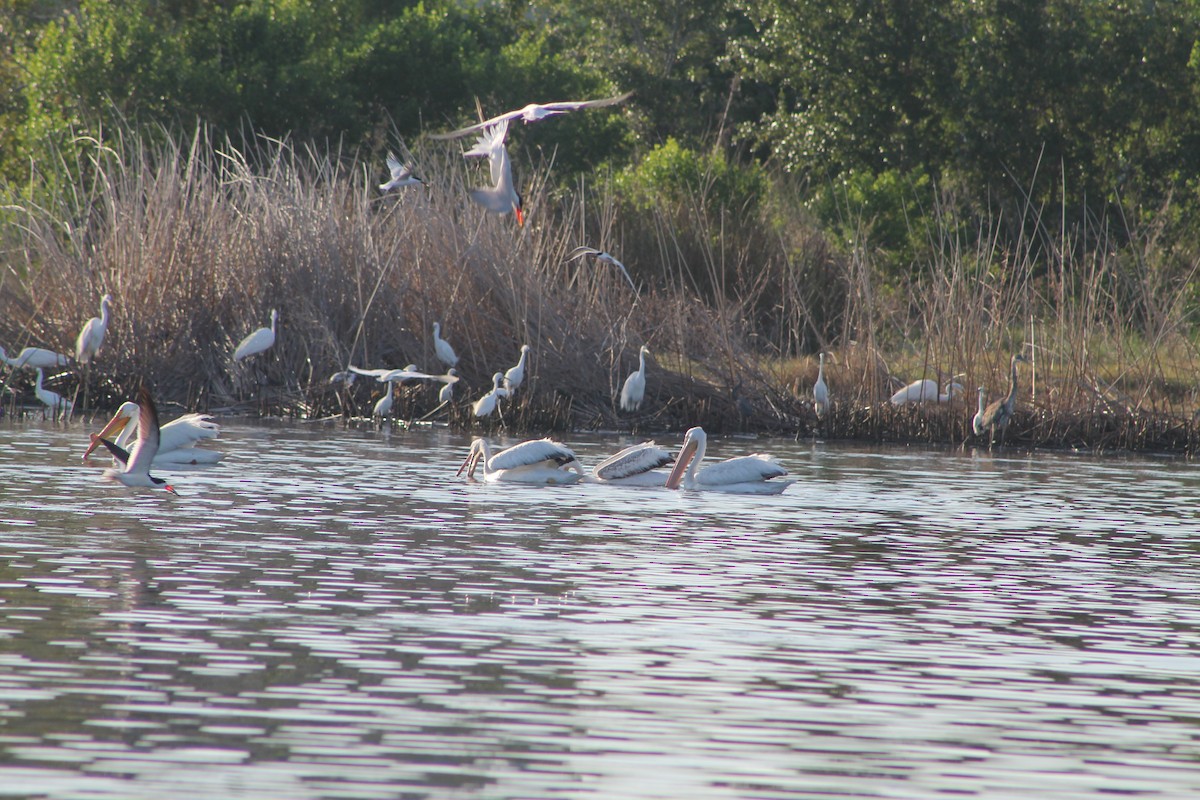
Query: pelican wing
{"x": 534, "y": 451}
{"x": 742, "y": 469}
{"x": 185, "y": 431}
{"x": 634, "y": 460}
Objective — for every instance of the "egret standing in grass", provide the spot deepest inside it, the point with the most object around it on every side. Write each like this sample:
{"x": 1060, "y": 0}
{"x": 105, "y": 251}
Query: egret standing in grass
{"x": 442, "y": 348}
{"x": 446, "y": 394}
{"x": 820, "y": 389}
{"x": 634, "y": 390}
{"x": 1000, "y": 412}
{"x": 485, "y": 405}
{"x": 34, "y": 357}
{"x": 977, "y": 420}
{"x": 258, "y": 341}
{"x": 515, "y": 376}
{"x": 91, "y": 337}
{"x": 53, "y": 400}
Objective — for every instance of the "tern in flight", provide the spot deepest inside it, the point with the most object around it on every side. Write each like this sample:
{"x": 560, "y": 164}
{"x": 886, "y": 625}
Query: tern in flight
{"x": 600, "y": 255}
{"x": 502, "y": 196}
{"x": 535, "y": 112}
{"x": 402, "y": 175}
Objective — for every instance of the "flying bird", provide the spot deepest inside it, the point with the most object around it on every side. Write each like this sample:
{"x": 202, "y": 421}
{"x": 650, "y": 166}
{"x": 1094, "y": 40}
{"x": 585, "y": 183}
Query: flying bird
{"x": 636, "y": 465}
{"x": 537, "y": 461}
{"x": 502, "y": 196}
{"x": 91, "y": 338}
{"x": 515, "y": 376}
{"x": 442, "y": 348}
{"x": 600, "y": 255}
{"x": 34, "y": 357}
{"x": 177, "y": 439}
{"x": 140, "y": 458}
{"x": 53, "y": 400}
{"x": 402, "y": 175}
{"x": 820, "y": 389}
{"x": 258, "y": 341}
{"x": 634, "y": 389}
{"x": 752, "y": 474}
{"x": 535, "y": 112}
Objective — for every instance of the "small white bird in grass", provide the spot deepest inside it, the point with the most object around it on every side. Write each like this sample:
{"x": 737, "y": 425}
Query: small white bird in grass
{"x": 977, "y": 420}
{"x": 600, "y": 255}
{"x": 383, "y": 406}
{"x": 139, "y": 459}
{"x": 91, "y": 338}
{"x": 535, "y": 112}
{"x": 485, "y": 405}
{"x": 402, "y": 175}
{"x": 820, "y": 389}
{"x": 502, "y": 196}
{"x": 538, "y": 461}
{"x": 753, "y": 474}
{"x": 53, "y": 400}
{"x": 636, "y": 465}
{"x": 926, "y": 391}
{"x": 442, "y": 348}
{"x": 446, "y": 394}
{"x": 34, "y": 357}
{"x": 177, "y": 439}
{"x": 258, "y": 341}
{"x": 515, "y": 376}
{"x": 634, "y": 389}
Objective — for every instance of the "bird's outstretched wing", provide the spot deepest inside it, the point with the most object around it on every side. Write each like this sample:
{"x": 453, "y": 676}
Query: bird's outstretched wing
{"x": 534, "y": 112}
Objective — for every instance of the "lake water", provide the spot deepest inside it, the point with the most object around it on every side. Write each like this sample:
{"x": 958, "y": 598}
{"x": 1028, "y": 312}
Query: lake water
{"x": 331, "y": 613}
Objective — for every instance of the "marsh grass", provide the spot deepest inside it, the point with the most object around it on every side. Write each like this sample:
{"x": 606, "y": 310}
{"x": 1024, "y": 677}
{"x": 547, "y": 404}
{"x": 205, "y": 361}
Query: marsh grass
{"x": 198, "y": 240}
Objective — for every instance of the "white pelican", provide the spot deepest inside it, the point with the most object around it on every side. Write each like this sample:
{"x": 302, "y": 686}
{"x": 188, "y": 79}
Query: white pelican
{"x": 258, "y": 341}
{"x": 140, "y": 458}
{"x": 442, "y": 348}
{"x": 636, "y": 465}
{"x": 34, "y": 357}
{"x": 926, "y": 391}
{"x": 485, "y": 405}
{"x": 751, "y": 474}
{"x": 539, "y": 461}
{"x": 447, "y": 392}
{"x": 635, "y": 385}
{"x": 977, "y": 420}
{"x": 515, "y": 376}
{"x": 176, "y": 441}
{"x": 55, "y": 401}
{"x": 820, "y": 389}
{"x": 999, "y": 413}
{"x": 402, "y": 175}
{"x": 535, "y": 112}
{"x": 91, "y": 338}
{"x": 600, "y": 255}
{"x": 502, "y": 197}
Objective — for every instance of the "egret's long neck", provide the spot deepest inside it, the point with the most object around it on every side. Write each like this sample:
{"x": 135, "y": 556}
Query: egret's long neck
{"x": 641, "y": 361}
{"x": 104, "y": 313}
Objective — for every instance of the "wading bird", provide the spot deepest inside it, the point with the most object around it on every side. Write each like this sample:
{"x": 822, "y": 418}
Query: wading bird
{"x": 515, "y": 376}
{"x": 91, "y": 338}
{"x": 258, "y": 341}
{"x": 977, "y": 420}
{"x": 502, "y": 196}
{"x": 820, "y": 389}
{"x": 634, "y": 390}
{"x": 402, "y": 175}
{"x": 999, "y": 413}
{"x": 176, "y": 441}
{"x": 636, "y": 465}
{"x": 442, "y": 348}
{"x": 600, "y": 255}
{"x": 383, "y": 407}
{"x": 538, "y": 461}
{"x": 139, "y": 459}
{"x": 447, "y": 392}
{"x": 535, "y": 112}
{"x": 485, "y": 405}
{"x": 34, "y": 357}
{"x": 926, "y": 391}
{"x": 752, "y": 474}
{"x": 53, "y": 400}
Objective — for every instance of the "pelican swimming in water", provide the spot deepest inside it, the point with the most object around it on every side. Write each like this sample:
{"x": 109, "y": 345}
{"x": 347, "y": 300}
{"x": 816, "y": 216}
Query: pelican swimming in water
{"x": 538, "y": 461}
{"x": 91, "y": 338}
{"x": 534, "y": 112}
{"x": 258, "y": 341}
{"x": 634, "y": 390}
{"x": 636, "y": 465}
{"x": 177, "y": 439}
{"x": 34, "y": 357}
{"x": 753, "y": 474}
{"x": 141, "y": 457}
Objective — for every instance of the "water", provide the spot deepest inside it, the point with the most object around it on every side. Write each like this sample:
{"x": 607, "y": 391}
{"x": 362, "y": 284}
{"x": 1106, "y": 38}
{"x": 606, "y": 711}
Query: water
{"x": 332, "y": 614}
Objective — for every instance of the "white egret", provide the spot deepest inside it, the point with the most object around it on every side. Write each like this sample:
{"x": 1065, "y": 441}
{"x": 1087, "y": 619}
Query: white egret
{"x": 636, "y": 465}
{"x": 442, "y": 348}
{"x": 258, "y": 341}
{"x": 926, "y": 390}
{"x": 141, "y": 457}
{"x": 538, "y": 461}
{"x": 820, "y": 389}
{"x": 634, "y": 390}
{"x": 91, "y": 337}
{"x": 535, "y": 112}
{"x": 34, "y": 357}
{"x": 752, "y": 474}
{"x": 447, "y": 391}
{"x": 485, "y": 405}
{"x": 383, "y": 407}
{"x": 502, "y": 196}
{"x": 977, "y": 420}
{"x": 177, "y": 439}
{"x": 53, "y": 400}
{"x": 515, "y": 376}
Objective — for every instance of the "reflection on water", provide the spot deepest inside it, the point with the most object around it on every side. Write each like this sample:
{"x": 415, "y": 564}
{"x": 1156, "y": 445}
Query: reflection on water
{"x": 332, "y": 613}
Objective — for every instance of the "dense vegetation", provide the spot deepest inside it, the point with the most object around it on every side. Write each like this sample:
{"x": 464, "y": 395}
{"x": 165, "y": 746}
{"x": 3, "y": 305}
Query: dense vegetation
{"x": 914, "y": 186}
